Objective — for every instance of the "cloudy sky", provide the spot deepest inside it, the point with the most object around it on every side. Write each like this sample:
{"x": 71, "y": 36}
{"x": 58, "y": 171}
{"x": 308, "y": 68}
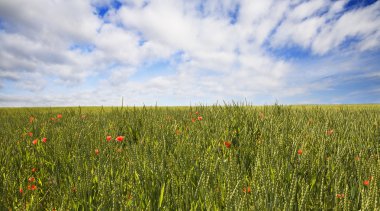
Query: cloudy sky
{"x": 180, "y": 52}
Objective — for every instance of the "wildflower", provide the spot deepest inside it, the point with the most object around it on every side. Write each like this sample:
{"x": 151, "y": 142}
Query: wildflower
{"x": 227, "y": 144}
{"x": 97, "y": 151}
{"x": 21, "y": 190}
{"x": 299, "y": 152}
{"x": 35, "y": 141}
{"x": 340, "y": 196}
{"x": 196, "y": 112}
{"x": 32, "y": 187}
{"x": 59, "y": 116}
{"x": 44, "y": 140}
{"x": 329, "y": 132}
{"x": 31, "y": 179}
{"x": 30, "y": 134}
{"x": 108, "y": 138}
{"x": 200, "y": 118}
{"x": 31, "y": 119}
{"x": 120, "y": 138}
{"x": 366, "y": 182}
{"x": 247, "y": 189}
{"x": 34, "y": 170}
{"x": 192, "y": 120}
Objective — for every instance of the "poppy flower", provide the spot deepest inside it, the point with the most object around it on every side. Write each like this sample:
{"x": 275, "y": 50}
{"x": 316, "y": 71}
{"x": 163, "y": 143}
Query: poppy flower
{"x": 97, "y": 151}
{"x": 299, "y": 152}
{"x": 31, "y": 179}
{"x": 30, "y": 134}
{"x": 329, "y": 132}
{"x": 108, "y": 138}
{"x": 196, "y": 112}
{"x": 34, "y": 170}
{"x": 200, "y": 118}
{"x": 192, "y": 120}
{"x": 247, "y": 189}
{"x": 44, "y": 140}
{"x": 32, "y": 187}
{"x": 120, "y": 138}
{"x": 35, "y": 141}
{"x": 366, "y": 182}
{"x": 227, "y": 144}
{"x": 21, "y": 190}
{"x": 59, "y": 116}
{"x": 340, "y": 196}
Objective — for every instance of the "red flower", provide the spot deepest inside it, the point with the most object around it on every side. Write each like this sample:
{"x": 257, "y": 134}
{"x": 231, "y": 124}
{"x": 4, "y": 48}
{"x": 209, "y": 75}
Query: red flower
{"x": 200, "y": 118}
{"x": 59, "y": 116}
{"x": 329, "y": 132}
{"x": 120, "y": 138}
{"x": 340, "y": 196}
{"x": 247, "y": 189}
{"x": 32, "y": 187}
{"x": 192, "y": 119}
{"x": 366, "y": 182}
{"x": 227, "y": 144}
{"x": 31, "y": 179}
{"x": 21, "y": 190}
{"x": 34, "y": 170}
{"x": 44, "y": 140}
{"x": 196, "y": 112}
{"x": 35, "y": 141}
{"x": 108, "y": 138}
{"x": 30, "y": 134}
{"x": 97, "y": 151}
{"x": 299, "y": 152}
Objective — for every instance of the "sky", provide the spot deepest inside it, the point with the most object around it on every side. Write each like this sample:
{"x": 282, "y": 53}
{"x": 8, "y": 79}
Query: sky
{"x": 180, "y": 52}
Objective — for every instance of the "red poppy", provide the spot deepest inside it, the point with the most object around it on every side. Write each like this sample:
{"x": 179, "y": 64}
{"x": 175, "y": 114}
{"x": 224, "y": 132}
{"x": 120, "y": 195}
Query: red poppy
{"x": 192, "y": 119}
{"x": 59, "y": 116}
{"x": 97, "y": 151}
{"x": 31, "y": 179}
{"x": 21, "y": 190}
{"x": 34, "y": 170}
{"x": 35, "y": 141}
{"x": 366, "y": 182}
{"x": 299, "y": 152}
{"x": 200, "y": 118}
{"x": 329, "y": 132}
{"x": 32, "y": 187}
{"x": 108, "y": 138}
{"x": 44, "y": 140}
{"x": 120, "y": 138}
{"x": 247, "y": 189}
{"x": 196, "y": 112}
{"x": 30, "y": 134}
{"x": 227, "y": 144}
{"x": 340, "y": 196}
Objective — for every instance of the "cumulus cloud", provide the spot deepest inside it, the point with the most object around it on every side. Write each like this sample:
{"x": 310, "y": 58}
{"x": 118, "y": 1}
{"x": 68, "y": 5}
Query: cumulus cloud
{"x": 94, "y": 52}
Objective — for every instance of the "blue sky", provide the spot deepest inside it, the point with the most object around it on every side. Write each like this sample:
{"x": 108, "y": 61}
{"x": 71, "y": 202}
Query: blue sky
{"x": 178, "y": 52}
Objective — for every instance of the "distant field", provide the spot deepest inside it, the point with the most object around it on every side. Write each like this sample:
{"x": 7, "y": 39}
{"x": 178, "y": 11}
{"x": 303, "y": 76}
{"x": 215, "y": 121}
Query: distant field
{"x": 191, "y": 158}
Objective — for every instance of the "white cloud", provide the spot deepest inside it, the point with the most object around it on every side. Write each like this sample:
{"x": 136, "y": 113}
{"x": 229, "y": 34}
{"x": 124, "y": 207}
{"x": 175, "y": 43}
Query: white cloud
{"x": 68, "y": 44}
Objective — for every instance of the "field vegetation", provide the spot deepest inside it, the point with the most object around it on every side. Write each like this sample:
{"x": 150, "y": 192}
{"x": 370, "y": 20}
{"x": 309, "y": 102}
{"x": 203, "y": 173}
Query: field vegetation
{"x": 230, "y": 157}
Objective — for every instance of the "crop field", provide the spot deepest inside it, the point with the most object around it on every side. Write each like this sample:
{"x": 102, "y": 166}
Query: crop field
{"x": 230, "y": 157}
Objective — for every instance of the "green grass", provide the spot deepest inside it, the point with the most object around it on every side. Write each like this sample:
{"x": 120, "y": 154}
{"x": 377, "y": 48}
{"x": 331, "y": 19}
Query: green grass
{"x": 169, "y": 162}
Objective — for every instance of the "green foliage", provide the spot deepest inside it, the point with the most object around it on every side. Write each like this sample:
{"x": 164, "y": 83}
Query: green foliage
{"x": 171, "y": 160}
